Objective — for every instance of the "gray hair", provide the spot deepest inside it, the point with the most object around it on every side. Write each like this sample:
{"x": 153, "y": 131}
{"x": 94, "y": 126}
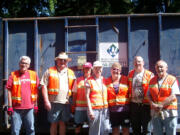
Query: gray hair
{"x": 164, "y": 63}
{"x": 25, "y": 58}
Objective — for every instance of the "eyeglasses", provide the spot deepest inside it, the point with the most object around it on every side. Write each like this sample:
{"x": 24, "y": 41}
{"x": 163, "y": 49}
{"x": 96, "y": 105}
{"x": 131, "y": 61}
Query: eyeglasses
{"x": 23, "y": 63}
{"x": 115, "y": 69}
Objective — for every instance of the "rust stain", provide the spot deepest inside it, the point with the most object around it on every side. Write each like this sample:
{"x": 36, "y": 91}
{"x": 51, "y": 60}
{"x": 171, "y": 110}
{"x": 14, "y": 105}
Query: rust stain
{"x": 40, "y": 44}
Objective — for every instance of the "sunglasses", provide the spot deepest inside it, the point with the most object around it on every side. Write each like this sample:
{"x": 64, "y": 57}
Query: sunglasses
{"x": 62, "y": 60}
{"x": 115, "y": 69}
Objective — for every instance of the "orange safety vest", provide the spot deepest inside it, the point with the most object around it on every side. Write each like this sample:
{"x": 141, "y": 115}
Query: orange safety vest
{"x": 81, "y": 93}
{"x": 98, "y": 97}
{"x": 53, "y": 85}
{"x": 122, "y": 97}
{"x": 16, "y": 87}
{"x": 145, "y": 83}
{"x": 160, "y": 94}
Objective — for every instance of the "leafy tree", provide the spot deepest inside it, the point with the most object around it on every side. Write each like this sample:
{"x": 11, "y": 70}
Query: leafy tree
{"x": 35, "y": 8}
{"x": 18, "y": 8}
{"x": 174, "y": 7}
{"x": 121, "y": 6}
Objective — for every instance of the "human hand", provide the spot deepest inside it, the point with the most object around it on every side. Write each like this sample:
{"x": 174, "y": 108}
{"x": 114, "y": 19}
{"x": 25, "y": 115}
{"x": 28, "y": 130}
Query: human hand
{"x": 10, "y": 111}
{"x": 157, "y": 107}
{"x": 91, "y": 115}
{"x": 48, "y": 106}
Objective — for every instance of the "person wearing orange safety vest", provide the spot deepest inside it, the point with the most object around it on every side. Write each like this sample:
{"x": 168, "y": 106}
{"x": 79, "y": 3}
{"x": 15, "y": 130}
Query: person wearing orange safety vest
{"x": 57, "y": 83}
{"x": 79, "y": 98}
{"x": 96, "y": 95}
{"x": 22, "y": 88}
{"x": 163, "y": 89}
{"x": 118, "y": 100}
{"x": 138, "y": 81}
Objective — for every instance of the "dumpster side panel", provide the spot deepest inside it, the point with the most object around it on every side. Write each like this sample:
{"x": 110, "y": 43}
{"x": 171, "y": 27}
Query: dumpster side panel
{"x": 170, "y": 43}
{"x": 144, "y": 41}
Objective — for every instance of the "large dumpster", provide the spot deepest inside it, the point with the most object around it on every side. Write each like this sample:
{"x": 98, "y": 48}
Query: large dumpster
{"x": 106, "y": 38}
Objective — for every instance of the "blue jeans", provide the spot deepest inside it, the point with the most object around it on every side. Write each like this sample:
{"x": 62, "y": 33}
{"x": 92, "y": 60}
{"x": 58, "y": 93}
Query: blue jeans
{"x": 22, "y": 115}
{"x": 170, "y": 125}
{"x": 100, "y": 125}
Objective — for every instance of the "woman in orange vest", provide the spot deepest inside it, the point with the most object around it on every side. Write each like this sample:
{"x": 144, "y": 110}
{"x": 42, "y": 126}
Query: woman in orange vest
{"x": 118, "y": 100}
{"x": 96, "y": 94}
{"x": 163, "y": 89}
{"x": 79, "y": 98}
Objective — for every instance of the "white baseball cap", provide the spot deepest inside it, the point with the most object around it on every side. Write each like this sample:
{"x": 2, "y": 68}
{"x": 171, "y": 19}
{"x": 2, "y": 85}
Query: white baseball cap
{"x": 97, "y": 64}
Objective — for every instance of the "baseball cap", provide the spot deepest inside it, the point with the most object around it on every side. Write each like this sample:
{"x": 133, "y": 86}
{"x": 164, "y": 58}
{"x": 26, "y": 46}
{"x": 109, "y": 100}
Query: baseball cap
{"x": 87, "y": 65}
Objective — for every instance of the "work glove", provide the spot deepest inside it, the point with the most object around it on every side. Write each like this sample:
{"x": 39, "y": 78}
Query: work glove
{"x": 10, "y": 111}
{"x": 35, "y": 109}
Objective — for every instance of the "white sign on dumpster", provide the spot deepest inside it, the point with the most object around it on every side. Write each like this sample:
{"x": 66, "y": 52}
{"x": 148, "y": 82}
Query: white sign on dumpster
{"x": 113, "y": 52}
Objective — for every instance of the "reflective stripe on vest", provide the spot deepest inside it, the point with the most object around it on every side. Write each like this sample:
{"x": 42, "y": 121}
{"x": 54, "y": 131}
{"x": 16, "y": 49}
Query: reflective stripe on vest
{"x": 81, "y": 93}
{"x": 53, "y": 84}
{"x": 160, "y": 94}
{"x": 122, "y": 97}
{"x": 97, "y": 97}
{"x": 145, "y": 83}
{"x": 16, "y": 88}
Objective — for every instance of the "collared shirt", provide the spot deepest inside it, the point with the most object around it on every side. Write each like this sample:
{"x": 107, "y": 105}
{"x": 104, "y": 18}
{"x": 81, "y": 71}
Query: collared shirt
{"x": 63, "y": 88}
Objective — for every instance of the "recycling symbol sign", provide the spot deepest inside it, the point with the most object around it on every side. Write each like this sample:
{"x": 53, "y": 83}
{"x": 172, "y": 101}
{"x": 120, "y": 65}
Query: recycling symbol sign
{"x": 113, "y": 50}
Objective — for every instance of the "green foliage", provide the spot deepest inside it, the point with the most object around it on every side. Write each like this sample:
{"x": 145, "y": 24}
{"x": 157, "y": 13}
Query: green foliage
{"x": 174, "y": 7}
{"x": 35, "y": 8}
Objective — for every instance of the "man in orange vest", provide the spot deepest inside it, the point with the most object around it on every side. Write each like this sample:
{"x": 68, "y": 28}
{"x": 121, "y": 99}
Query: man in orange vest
{"x": 118, "y": 100}
{"x": 163, "y": 89}
{"x": 96, "y": 95}
{"x": 22, "y": 88}
{"x": 57, "y": 83}
{"x": 138, "y": 80}
{"x": 79, "y": 98}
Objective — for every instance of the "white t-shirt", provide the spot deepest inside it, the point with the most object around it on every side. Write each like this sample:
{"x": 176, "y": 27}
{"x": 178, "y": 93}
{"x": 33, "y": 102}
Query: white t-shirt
{"x": 137, "y": 90}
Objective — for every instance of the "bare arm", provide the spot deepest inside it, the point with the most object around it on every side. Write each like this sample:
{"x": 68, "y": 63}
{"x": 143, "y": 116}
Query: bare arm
{"x": 9, "y": 99}
{"x": 168, "y": 100}
{"x": 46, "y": 99}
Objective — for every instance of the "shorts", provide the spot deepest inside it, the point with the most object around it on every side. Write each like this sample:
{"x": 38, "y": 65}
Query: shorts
{"x": 59, "y": 112}
{"x": 80, "y": 117}
{"x": 119, "y": 119}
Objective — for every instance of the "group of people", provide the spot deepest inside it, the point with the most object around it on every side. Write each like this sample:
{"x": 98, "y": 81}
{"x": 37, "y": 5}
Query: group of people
{"x": 140, "y": 100}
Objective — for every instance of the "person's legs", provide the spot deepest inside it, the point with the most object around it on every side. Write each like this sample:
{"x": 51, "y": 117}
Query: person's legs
{"x": 157, "y": 126}
{"x": 80, "y": 117}
{"x": 115, "y": 131}
{"x": 62, "y": 128}
{"x": 105, "y": 125}
{"x": 16, "y": 122}
{"x": 78, "y": 129}
{"x": 28, "y": 119}
{"x": 145, "y": 119}
{"x": 135, "y": 118}
{"x": 94, "y": 125}
{"x": 53, "y": 118}
{"x": 53, "y": 128}
{"x": 125, "y": 131}
{"x": 170, "y": 125}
